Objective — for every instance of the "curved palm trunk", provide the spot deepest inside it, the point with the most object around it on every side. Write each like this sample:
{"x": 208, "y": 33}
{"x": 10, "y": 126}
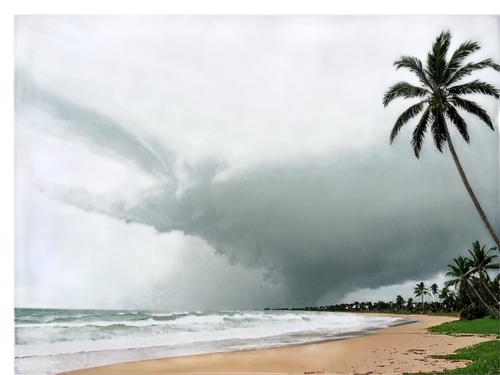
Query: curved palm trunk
{"x": 478, "y": 207}
{"x": 495, "y": 313}
{"x": 485, "y": 287}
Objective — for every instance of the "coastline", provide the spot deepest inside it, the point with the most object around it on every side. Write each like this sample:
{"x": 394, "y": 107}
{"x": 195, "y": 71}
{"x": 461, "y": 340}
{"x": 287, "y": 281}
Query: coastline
{"x": 394, "y": 350}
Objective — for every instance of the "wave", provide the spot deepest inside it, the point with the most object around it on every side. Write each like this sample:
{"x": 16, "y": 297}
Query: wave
{"x": 178, "y": 313}
{"x": 179, "y": 319}
{"x": 142, "y": 320}
{"x": 334, "y": 323}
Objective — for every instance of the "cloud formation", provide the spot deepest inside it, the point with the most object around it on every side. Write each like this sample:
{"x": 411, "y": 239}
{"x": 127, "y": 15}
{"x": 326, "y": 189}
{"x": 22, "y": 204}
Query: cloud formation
{"x": 318, "y": 211}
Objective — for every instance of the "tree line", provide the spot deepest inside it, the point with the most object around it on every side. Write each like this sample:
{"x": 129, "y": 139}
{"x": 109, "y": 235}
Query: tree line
{"x": 469, "y": 291}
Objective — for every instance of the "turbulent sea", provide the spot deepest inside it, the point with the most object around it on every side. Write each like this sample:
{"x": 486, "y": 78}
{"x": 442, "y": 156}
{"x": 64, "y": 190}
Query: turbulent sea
{"x": 49, "y": 341}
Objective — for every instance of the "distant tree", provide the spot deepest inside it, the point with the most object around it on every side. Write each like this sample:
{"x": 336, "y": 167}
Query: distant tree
{"x": 434, "y": 290}
{"x": 420, "y": 290}
{"x": 448, "y": 298}
{"x": 409, "y": 304}
{"x": 400, "y": 302}
{"x": 441, "y": 94}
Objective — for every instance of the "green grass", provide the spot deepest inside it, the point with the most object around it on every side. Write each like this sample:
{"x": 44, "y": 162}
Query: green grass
{"x": 485, "y": 359}
{"x": 484, "y": 326}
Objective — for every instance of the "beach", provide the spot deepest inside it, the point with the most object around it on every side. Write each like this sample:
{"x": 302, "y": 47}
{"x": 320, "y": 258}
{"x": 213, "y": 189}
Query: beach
{"x": 393, "y": 350}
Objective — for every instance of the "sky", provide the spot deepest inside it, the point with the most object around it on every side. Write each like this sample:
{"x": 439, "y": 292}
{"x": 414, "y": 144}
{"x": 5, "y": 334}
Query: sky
{"x": 235, "y": 162}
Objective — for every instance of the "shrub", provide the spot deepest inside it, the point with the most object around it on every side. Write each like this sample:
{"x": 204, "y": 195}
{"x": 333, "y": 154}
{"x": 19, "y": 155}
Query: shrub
{"x": 472, "y": 312}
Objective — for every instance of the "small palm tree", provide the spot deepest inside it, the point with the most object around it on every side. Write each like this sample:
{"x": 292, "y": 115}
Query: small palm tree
{"x": 420, "y": 290}
{"x": 447, "y": 298}
{"x": 441, "y": 94}
{"x": 434, "y": 290}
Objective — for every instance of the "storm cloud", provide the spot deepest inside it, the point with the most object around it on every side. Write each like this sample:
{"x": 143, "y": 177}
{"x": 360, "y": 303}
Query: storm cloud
{"x": 318, "y": 210}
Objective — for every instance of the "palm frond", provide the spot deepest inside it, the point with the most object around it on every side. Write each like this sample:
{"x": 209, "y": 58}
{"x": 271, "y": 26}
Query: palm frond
{"x": 404, "y": 118}
{"x": 438, "y": 129}
{"x": 436, "y": 59}
{"x": 405, "y": 90}
{"x": 473, "y": 108}
{"x": 419, "y": 133}
{"x": 414, "y": 65}
{"x": 458, "y": 57}
{"x": 475, "y": 87}
{"x": 459, "y": 122}
{"x": 469, "y": 69}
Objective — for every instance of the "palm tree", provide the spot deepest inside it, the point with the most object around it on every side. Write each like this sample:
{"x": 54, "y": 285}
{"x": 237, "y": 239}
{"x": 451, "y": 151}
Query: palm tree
{"x": 420, "y": 291}
{"x": 400, "y": 302}
{"x": 434, "y": 291}
{"x": 460, "y": 273}
{"x": 447, "y": 298}
{"x": 440, "y": 93}
{"x": 481, "y": 261}
{"x": 409, "y": 304}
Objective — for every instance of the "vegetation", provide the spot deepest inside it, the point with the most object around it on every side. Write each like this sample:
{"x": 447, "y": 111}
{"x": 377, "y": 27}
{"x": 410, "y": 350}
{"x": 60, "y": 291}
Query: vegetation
{"x": 484, "y": 357}
{"x": 484, "y": 326}
{"x": 475, "y": 294}
{"x": 441, "y": 93}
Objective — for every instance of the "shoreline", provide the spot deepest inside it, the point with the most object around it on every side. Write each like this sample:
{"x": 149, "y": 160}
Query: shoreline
{"x": 405, "y": 347}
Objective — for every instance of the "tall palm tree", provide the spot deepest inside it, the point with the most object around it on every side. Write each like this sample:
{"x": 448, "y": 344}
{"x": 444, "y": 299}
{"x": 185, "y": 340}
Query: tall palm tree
{"x": 420, "y": 290}
{"x": 481, "y": 261}
{"x": 440, "y": 94}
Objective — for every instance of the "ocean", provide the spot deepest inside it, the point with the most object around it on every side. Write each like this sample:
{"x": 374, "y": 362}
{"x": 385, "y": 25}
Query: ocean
{"x": 48, "y": 341}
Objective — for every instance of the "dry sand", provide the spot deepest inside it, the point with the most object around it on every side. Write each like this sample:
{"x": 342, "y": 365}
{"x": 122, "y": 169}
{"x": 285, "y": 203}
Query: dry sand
{"x": 394, "y": 350}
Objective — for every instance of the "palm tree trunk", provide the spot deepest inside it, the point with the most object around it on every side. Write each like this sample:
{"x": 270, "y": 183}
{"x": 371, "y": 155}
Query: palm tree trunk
{"x": 478, "y": 207}
{"x": 485, "y": 287}
{"x": 495, "y": 314}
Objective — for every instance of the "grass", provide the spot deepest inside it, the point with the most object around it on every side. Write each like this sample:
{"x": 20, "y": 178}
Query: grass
{"x": 484, "y": 326}
{"x": 485, "y": 356}
{"x": 485, "y": 359}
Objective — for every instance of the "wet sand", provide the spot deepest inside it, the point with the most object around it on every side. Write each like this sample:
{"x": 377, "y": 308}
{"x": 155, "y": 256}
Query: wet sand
{"x": 394, "y": 350}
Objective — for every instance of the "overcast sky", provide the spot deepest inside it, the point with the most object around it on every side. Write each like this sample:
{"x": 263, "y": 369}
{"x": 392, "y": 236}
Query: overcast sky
{"x": 235, "y": 162}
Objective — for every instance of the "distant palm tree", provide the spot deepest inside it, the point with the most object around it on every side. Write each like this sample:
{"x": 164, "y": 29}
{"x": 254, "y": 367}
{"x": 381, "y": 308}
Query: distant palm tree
{"x": 434, "y": 290}
{"x": 441, "y": 93}
{"x": 447, "y": 297}
{"x": 409, "y": 304}
{"x": 460, "y": 272}
{"x": 420, "y": 291}
{"x": 400, "y": 302}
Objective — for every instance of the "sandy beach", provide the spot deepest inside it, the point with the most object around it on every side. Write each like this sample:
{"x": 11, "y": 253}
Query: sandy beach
{"x": 394, "y": 350}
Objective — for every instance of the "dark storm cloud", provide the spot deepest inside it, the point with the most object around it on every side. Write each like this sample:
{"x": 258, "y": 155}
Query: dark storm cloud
{"x": 318, "y": 222}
